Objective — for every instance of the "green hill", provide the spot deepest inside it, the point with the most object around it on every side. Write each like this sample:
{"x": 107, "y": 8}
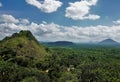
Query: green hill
{"x": 21, "y": 59}
{"x": 22, "y": 44}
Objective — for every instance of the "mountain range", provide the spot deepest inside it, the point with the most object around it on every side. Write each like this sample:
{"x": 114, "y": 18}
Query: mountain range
{"x": 106, "y": 42}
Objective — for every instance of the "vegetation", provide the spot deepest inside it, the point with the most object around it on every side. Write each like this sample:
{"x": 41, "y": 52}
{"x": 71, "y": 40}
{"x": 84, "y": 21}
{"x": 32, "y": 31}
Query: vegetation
{"x": 23, "y": 59}
{"x": 22, "y": 44}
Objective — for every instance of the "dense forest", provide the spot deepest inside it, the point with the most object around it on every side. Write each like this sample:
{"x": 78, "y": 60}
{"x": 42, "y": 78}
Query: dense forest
{"x": 23, "y": 59}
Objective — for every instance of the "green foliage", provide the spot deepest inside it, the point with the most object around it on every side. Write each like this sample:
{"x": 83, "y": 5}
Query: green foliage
{"x": 13, "y": 73}
{"x": 90, "y": 65}
{"x": 68, "y": 77}
{"x": 29, "y": 79}
{"x": 23, "y": 59}
{"x": 22, "y": 44}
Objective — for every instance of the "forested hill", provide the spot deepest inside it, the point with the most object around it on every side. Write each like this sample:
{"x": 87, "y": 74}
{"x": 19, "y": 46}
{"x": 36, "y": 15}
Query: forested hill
{"x": 22, "y": 44}
{"x": 21, "y": 56}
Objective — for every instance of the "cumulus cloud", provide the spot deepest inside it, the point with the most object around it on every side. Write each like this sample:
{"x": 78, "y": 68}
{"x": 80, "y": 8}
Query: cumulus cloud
{"x": 24, "y": 21}
{"x": 0, "y": 4}
{"x": 80, "y": 10}
{"x": 54, "y": 32}
{"x": 9, "y": 25}
{"x": 117, "y": 21}
{"x": 47, "y": 6}
{"x": 8, "y": 19}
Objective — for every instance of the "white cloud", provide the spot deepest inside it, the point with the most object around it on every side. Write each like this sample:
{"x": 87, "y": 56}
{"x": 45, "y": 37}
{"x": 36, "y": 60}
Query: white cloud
{"x": 0, "y": 4}
{"x": 53, "y": 32}
{"x": 8, "y": 19}
{"x": 24, "y": 21}
{"x": 47, "y": 6}
{"x": 80, "y": 10}
{"x": 9, "y": 24}
{"x": 92, "y": 17}
{"x": 117, "y": 21}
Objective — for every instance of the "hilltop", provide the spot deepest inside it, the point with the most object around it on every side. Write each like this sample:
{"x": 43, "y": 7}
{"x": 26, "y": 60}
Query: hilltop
{"x": 108, "y": 42}
{"x": 22, "y": 44}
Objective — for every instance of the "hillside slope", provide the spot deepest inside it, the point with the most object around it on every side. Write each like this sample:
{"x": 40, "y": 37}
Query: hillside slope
{"x": 22, "y": 58}
{"x": 22, "y": 44}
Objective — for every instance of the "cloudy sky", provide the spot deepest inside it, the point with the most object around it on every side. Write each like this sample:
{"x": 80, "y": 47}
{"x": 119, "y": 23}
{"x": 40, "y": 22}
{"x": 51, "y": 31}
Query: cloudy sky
{"x": 62, "y": 20}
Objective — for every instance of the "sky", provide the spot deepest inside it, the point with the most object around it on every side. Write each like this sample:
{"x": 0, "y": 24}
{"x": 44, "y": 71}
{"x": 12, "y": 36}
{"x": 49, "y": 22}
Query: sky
{"x": 62, "y": 20}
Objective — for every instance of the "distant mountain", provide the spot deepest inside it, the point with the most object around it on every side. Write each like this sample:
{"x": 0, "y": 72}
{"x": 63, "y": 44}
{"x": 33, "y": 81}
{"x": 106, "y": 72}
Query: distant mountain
{"x": 109, "y": 42}
{"x": 60, "y": 43}
{"x": 22, "y": 44}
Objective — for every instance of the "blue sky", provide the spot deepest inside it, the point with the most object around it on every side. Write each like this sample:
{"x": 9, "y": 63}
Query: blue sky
{"x": 108, "y": 10}
{"x": 62, "y": 14}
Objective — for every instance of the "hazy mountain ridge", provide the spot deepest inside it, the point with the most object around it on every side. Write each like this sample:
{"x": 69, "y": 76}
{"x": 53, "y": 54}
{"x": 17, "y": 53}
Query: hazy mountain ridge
{"x": 106, "y": 42}
{"x": 109, "y": 42}
{"x": 60, "y": 43}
